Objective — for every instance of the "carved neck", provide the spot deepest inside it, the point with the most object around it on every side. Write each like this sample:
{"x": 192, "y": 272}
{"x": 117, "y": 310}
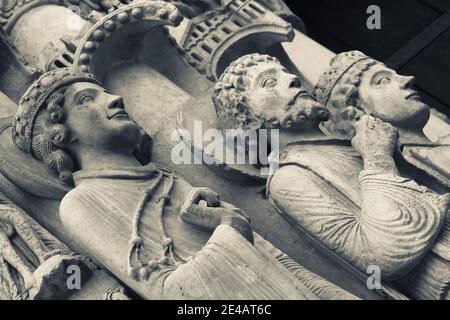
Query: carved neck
{"x": 288, "y": 136}
{"x": 410, "y": 137}
{"x": 89, "y": 159}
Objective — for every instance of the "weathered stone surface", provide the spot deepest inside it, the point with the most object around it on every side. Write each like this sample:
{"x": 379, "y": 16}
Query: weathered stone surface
{"x": 129, "y": 50}
{"x": 131, "y": 253}
{"x": 319, "y": 180}
{"x": 33, "y": 263}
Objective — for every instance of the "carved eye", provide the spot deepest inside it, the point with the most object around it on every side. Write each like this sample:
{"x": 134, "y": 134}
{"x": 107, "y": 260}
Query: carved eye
{"x": 269, "y": 82}
{"x": 85, "y": 99}
{"x": 383, "y": 80}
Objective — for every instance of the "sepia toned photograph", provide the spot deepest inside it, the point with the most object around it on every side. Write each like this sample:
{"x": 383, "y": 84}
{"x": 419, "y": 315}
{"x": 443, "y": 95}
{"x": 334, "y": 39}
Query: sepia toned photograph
{"x": 242, "y": 151}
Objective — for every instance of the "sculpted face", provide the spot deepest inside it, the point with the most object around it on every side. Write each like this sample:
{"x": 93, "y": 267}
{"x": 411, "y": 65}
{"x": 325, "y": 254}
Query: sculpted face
{"x": 389, "y": 96}
{"x": 97, "y": 118}
{"x": 277, "y": 96}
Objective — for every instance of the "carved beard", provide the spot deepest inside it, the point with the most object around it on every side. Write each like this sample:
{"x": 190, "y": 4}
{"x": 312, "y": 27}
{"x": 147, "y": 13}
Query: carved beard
{"x": 303, "y": 113}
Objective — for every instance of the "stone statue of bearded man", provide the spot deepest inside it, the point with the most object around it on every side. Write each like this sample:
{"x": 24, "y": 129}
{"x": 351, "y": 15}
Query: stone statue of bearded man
{"x": 350, "y": 199}
{"x": 161, "y": 236}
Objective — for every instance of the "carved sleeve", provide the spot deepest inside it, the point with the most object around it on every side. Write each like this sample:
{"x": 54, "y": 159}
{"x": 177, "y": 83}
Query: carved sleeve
{"x": 392, "y": 227}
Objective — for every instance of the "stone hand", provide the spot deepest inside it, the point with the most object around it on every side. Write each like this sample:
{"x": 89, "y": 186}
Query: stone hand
{"x": 202, "y": 194}
{"x": 204, "y": 209}
{"x": 374, "y": 138}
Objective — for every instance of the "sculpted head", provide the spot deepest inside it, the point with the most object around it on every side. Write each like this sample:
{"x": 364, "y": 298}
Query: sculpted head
{"x": 357, "y": 84}
{"x": 65, "y": 113}
{"x": 256, "y": 91}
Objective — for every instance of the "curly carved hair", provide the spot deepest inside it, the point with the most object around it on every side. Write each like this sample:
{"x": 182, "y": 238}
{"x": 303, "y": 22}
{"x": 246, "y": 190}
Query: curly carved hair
{"x": 346, "y": 92}
{"x": 230, "y": 99}
{"x": 50, "y": 137}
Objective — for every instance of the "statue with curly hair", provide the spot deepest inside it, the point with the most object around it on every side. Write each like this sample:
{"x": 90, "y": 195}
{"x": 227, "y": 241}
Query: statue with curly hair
{"x": 348, "y": 196}
{"x": 161, "y": 236}
{"x": 248, "y": 95}
{"x": 356, "y": 84}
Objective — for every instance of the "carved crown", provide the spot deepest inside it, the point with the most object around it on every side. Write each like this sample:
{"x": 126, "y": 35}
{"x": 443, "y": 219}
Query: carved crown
{"x": 340, "y": 65}
{"x": 35, "y": 99}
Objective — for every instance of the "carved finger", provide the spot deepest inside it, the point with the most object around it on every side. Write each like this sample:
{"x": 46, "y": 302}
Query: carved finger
{"x": 202, "y": 216}
{"x": 360, "y": 124}
{"x": 197, "y": 194}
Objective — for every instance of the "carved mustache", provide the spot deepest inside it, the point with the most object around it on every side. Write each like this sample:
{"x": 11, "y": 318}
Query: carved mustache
{"x": 302, "y": 94}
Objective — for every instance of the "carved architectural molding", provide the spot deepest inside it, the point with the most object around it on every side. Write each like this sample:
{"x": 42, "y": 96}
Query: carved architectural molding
{"x": 338, "y": 203}
{"x": 136, "y": 18}
{"x": 12, "y": 10}
{"x": 216, "y": 38}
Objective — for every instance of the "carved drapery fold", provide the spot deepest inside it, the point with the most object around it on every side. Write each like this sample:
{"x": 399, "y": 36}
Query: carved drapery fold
{"x": 392, "y": 225}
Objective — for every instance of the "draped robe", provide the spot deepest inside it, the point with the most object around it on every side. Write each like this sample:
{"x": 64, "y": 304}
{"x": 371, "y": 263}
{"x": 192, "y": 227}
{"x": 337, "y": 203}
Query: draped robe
{"x": 366, "y": 217}
{"x": 100, "y": 213}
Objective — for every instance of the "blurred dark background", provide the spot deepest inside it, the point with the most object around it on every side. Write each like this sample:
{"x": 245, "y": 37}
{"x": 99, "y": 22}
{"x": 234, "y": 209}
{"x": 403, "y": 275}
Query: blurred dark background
{"x": 414, "y": 37}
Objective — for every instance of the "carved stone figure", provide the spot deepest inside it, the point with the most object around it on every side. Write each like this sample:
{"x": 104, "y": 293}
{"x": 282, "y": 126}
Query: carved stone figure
{"x": 127, "y": 216}
{"x": 356, "y": 84}
{"x": 350, "y": 199}
{"x": 32, "y": 262}
{"x": 127, "y": 46}
{"x": 135, "y": 50}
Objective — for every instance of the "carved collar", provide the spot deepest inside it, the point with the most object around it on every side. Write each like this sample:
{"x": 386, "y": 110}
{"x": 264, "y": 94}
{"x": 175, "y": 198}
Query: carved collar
{"x": 124, "y": 173}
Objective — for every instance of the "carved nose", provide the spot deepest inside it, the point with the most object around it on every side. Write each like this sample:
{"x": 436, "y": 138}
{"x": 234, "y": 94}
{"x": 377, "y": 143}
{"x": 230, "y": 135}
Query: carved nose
{"x": 406, "y": 82}
{"x": 116, "y": 103}
{"x": 295, "y": 83}
{"x": 322, "y": 114}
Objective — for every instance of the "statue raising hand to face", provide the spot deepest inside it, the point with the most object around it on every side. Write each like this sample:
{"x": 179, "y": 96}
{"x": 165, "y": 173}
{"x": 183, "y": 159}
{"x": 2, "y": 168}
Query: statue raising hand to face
{"x": 350, "y": 197}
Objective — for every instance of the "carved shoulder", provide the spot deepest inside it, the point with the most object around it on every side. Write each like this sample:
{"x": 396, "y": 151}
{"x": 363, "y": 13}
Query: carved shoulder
{"x": 73, "y": 208}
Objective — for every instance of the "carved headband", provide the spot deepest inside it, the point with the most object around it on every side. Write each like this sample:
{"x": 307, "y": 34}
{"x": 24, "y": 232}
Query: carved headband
{"x": 35, "y": 98}
{"x": 339, "y": 66}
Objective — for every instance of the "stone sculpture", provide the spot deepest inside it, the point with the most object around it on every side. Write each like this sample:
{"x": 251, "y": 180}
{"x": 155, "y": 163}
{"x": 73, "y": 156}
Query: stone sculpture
{"x": 32, "y": 262}
{"x": 57, "y": 48}
{"x": 356, "y": 84}
{"x": 154, "y": 71}
{"x": 143, "y": 45}
{"x": 127, "y": 216}
{"x": 351, "y": 200}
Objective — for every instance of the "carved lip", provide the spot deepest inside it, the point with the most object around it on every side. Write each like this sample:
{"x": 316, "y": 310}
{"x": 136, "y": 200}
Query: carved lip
{"x": 121, "y": 114}
{"x": 413, "y": 96}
